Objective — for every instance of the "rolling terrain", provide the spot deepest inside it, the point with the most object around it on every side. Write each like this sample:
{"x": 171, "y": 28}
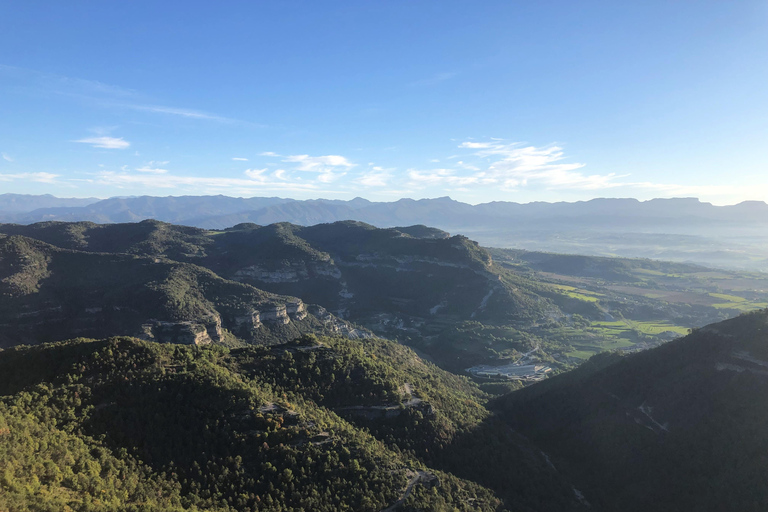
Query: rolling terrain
{"x": 456, "y": 302}
{"x": 50, "y": 293}
{"x": 680, "y": 229}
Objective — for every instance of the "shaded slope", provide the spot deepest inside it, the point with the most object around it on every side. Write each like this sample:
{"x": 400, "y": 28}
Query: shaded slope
{"x": 679, "y": 427}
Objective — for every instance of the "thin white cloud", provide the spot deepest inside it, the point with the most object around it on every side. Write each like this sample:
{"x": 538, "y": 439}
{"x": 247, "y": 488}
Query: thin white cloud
{"x": 469, "y": 167}
{"x": 509, "y": 167}
{"x": 322, "y": 164}
{"x": 51, "y": 82}
{"x": 105, "y": 142}
{"x": 440, "y": 177}
{"x": 197, "y": 183}
{"x": 268, "y": 153}
{"x": 513, "y": 165}
{"x": 330, "y": 177}
{"x": 256, "y": 174}
{"x": 151, "y": 170}
{"x": 475, "y": 145}
{"x": 39, "y": 177}
{"x": 239, "y": 159}
{"x": 182, "y": 112}
{"x": 378, "y": 177}
{"x": 98, "y": 93}
{"x": 7, "y": 158}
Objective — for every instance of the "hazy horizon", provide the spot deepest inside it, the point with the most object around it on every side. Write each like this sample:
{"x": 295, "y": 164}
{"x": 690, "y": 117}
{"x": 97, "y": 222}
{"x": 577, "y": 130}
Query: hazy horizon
{"x": 320, "y": 198}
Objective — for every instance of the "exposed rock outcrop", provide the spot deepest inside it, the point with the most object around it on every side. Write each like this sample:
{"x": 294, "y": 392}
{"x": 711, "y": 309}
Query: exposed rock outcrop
{"x": 337, "y": 326}
{"x": 203, "y": 332}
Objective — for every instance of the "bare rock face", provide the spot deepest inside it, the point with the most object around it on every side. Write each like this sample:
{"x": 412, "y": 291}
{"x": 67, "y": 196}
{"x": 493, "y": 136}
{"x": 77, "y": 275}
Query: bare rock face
{"x": 275, "y": 313}
{"x": 269, "y": 313}
{"x": 336, "y": 325}
{"x": 296, "y": 309}
{"x": 203, "y": 332}
{"x": 251, "y": 320}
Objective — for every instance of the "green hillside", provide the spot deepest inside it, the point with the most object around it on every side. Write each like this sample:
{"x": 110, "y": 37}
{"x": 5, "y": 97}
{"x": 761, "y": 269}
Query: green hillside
{"x": 125, "y": 424}
{"x": 51, "y": 293}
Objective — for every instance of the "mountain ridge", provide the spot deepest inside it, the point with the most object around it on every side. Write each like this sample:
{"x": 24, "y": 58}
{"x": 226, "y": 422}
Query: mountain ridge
{"x": 679, "y": 229}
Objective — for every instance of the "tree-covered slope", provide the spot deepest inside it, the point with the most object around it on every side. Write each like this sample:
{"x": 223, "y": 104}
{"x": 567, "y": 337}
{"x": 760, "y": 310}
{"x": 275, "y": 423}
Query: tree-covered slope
{"x": 406, "y": 286}
{"x": 127, "y": 424}
{"x": 317, "y": 424}
{"x": 679, "y": 427}
{"x": 51, "y": 293}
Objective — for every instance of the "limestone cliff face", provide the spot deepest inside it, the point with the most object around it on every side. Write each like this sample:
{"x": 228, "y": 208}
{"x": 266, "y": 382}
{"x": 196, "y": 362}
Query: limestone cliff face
{"x": 274, "y": 313}
{"x": 296, "y": 309}
{"x": 203, "y": 332}
{"x": 336, "y": 325}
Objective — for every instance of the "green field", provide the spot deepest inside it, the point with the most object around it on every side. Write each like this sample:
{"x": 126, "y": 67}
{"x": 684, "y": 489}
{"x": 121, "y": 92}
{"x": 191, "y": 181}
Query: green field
{"x": 578, "y": 293}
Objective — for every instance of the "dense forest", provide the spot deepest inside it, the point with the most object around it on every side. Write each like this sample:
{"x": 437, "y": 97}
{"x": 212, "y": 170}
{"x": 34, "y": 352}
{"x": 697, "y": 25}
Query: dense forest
{"x": 122, "y": 424}
{"x": 315, "y": 424}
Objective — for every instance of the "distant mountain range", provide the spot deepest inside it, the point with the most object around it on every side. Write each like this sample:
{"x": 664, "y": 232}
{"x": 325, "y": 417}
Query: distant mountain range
{"x": 683, "y": 229}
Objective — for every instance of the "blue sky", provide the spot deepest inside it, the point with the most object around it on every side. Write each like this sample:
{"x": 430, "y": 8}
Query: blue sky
{"x": 482, "y": 101}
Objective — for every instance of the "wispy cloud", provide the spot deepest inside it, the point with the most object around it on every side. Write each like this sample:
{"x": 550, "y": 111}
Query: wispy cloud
{"x": 182, "y": 112}
{"x": 475, "y": 145}
{"x": 105, "y": 142}
{"x": 151, "y": 170}
{"x": 435, "y": 79}
{"x": 7, "y": 158}
{"x": 39, "y": 177}
{"x": 321, "y": 164}
{"x": 377, "y": 177}
{"x": 53, "y": 83}
{"x": 99, "y": 94}
{"x": 441, "y": 177}
{"x": 254, "y": 183}
{"x": 514, "y": 165}
{"x": 256, "y": 174}
{"x": 238, "y": 159}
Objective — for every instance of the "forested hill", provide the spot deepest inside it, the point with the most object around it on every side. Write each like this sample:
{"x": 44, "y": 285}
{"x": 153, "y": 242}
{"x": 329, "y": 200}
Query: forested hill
{"x": 442, "y": 294}
{"x": 396, "y": 283}
{"x": 49, "y": 293}
{"x": 316, "y": 424}
{"x": 679, "y": 427}
{"x": 678, "y": 229}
